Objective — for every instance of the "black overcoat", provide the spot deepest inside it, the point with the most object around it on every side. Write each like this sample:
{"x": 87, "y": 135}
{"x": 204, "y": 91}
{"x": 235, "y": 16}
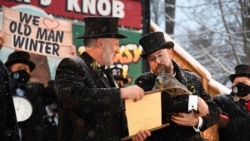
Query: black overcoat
{"x": 32, "y": 128}
{"x": 8, "y": 121}
{"x": 238, "y": 128}
{"x": 175, "y": 132}
{"x": 90, "y": 106}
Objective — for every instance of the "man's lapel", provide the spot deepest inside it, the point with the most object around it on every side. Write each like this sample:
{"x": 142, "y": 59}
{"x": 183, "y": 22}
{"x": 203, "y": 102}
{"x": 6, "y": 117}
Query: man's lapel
{"x": 103, "y": 77}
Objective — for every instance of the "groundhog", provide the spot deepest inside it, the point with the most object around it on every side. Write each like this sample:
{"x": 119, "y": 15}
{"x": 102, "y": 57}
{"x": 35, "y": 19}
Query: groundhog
{"x": 171, "y": 85}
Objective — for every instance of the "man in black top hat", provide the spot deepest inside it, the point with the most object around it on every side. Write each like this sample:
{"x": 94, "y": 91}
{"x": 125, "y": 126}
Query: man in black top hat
{"x": 187, "y": 114}
{"x": 8, "y": 120}
{"x": 234, "y": 124}
{"x": 90, "y": 105}
{"x": 28, "y": 94}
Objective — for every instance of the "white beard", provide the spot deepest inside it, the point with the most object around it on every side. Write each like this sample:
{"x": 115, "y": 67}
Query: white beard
{"x": 107, "y": 56}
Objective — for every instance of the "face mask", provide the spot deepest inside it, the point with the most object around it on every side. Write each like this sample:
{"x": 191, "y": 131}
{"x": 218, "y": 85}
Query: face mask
{"x": 241, "y": 89}
{"x": 22, "y": 77}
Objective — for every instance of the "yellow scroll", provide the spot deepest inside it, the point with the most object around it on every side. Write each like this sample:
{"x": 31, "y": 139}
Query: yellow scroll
{"x": 144, "y": 114}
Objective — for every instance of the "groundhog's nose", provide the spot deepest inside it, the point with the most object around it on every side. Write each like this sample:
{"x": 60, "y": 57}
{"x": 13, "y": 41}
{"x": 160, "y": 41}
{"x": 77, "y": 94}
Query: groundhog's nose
{"x": 158, "y": 81}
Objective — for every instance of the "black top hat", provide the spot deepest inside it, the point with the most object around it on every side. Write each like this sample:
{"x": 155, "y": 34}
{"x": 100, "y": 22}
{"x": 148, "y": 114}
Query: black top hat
{"x": 96, "y": 27}
{"x": 117, "y": 74}
{"x": 20, "y": 57}
{"x": 152, "y": 42}
{"x": 240, "y": 70}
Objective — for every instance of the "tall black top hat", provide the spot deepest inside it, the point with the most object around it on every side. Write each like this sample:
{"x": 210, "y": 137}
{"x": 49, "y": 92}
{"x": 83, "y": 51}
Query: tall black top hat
{"x": 152, "y": 42}
{"x": 117, "y": 74}
{"x": 240, "y": 70}
{"x": 20, "y": 57}
{"x": 96, "y": 27}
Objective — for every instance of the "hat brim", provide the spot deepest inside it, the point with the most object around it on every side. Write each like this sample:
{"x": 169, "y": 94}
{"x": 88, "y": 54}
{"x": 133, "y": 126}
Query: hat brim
{"x": 27, "y": 62}
{"x": 107, "y": 35}
{"x": 125, "y": 80}
{"x": 168, "y": 45}
{"x": 233, "y": 76}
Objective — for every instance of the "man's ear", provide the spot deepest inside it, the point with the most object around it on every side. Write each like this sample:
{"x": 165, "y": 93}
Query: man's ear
{"x": 99, "y": 42}
{"x": 171, "y": 52}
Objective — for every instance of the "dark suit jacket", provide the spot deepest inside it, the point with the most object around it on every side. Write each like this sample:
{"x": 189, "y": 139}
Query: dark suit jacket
{"x": 239, "y": 118}
{"x": 8, "y": 121}
{"x": 32, "y": 128}
{"x": 175, "y": 132}
{"x": 90, "y": 106}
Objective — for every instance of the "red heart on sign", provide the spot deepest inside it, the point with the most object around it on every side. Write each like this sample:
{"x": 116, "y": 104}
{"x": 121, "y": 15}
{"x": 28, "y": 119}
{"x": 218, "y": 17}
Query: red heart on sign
{"x": 50, "y": 24}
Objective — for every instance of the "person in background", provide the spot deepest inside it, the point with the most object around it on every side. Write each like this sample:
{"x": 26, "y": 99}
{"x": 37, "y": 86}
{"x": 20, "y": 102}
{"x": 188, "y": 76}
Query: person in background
{"x": 234, "y": 123}
{"x": 90, "y": 105}
{"x": 8, "y": 120}
{"x": 29, "y": 95}
{"x": 186, "y": 114}
{"x": 118, "y": 76}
